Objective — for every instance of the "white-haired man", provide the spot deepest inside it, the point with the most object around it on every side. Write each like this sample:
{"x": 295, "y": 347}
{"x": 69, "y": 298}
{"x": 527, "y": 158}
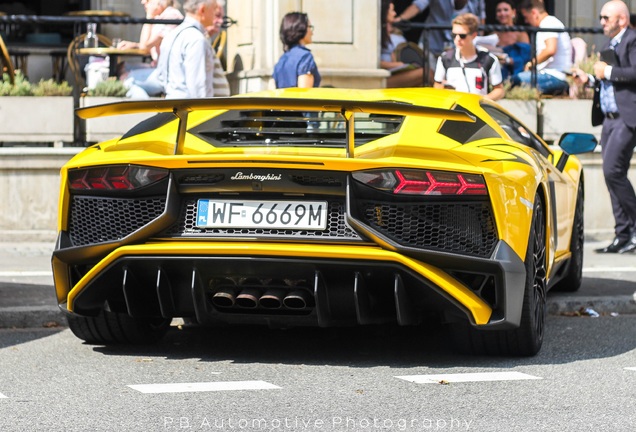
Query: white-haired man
{"x": 186, "y": 63}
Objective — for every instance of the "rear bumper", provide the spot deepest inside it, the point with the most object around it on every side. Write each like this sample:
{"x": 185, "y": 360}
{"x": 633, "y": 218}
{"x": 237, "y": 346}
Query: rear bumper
{"x": 338, "y": 284}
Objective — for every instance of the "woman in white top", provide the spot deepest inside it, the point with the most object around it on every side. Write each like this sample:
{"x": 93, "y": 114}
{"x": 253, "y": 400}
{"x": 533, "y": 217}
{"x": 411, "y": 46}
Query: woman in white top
{"x": 152, "y": 34}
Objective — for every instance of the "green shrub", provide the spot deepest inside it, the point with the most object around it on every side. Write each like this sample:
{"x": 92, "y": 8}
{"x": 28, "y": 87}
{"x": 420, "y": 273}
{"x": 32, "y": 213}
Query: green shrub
{"x": 110, "y": 87}
{"x": 22, "y": 87}
{"x": 587, "y": 66}
{"x": 52, "y": 88}
{"x": 5, "y": 85}
{"x": 521, "y": 92}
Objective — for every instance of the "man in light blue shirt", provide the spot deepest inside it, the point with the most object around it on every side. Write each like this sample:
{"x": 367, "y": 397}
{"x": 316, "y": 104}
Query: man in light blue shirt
{"x": 186, "y": 62}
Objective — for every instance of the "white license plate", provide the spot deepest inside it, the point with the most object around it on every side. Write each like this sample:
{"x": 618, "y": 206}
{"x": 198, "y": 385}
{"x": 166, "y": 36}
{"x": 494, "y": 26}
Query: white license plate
{"x": 308, "y": 215}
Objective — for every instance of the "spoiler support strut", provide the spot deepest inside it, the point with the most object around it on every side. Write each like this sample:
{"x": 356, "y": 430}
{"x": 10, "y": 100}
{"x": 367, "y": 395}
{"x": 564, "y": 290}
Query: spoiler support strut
{"x": 182, "y": 115}
{"x": 348, "y": 115}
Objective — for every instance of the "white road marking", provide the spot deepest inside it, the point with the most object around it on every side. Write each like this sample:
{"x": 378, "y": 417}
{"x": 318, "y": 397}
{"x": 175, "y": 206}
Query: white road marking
{"x": 25, "y": 273}
{"x": 609, "y": 269}
{"x": 2, "y": 396}
{"x": 467, "y": 377}
{"x": 203, "y": 387}
{"x": 630, "y": 368}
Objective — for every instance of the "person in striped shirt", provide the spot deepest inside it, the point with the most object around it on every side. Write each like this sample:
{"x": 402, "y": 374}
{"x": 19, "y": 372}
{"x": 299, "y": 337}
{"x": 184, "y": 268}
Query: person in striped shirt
{"x": 220, "y": 83}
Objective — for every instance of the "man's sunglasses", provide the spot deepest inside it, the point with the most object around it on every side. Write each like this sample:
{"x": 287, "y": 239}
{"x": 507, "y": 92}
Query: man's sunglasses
{"x": 603, "y": 17}
{"x": 461, "y": 35}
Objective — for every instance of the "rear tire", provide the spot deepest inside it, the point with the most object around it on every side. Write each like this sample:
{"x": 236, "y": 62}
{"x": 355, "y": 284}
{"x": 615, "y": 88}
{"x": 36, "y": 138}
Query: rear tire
{"x": 574, "y": 277}
{"x": 117, "y": 328}
{"x": 526, "y": 340}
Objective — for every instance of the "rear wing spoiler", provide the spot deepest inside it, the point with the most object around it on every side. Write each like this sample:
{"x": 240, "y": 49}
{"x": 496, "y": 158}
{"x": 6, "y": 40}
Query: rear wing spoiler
{"x": 182, "y": 107}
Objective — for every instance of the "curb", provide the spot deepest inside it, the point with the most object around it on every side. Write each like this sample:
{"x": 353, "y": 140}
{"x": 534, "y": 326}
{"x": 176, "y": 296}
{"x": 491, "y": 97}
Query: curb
{"x": 31, "y": 317}
{"x": 564, "y": 305}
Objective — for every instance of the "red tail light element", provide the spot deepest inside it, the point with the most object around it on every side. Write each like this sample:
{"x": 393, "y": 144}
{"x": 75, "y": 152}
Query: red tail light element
{"x": 423, "y": 182}
{"x": 118, "y": 177}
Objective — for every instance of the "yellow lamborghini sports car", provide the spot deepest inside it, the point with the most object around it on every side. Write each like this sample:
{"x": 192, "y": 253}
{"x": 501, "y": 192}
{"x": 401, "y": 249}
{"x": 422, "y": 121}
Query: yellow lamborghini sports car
{"x": 320, "y": 207}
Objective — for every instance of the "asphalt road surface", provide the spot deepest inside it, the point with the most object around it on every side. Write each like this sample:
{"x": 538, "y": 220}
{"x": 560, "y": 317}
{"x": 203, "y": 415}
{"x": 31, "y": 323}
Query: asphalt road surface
{"x": 359, "y": 379}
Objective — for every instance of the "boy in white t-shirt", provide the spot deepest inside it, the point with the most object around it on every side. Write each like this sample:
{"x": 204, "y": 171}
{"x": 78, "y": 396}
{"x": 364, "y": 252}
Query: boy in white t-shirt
{"x": 469, "y": 68}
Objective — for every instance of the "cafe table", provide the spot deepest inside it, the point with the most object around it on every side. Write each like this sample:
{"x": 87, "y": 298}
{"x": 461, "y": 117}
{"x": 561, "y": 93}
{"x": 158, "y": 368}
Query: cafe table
{"x": 115, "y": 55}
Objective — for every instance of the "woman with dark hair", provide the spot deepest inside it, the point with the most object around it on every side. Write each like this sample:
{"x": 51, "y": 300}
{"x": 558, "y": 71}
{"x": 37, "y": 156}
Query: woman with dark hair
{"x": 296, "y": 67}
{"x": 402, "y": 74}
{"x": 506, "y": 14}
{"x": 514, "y": 44}
{"x": 512, "y": 47}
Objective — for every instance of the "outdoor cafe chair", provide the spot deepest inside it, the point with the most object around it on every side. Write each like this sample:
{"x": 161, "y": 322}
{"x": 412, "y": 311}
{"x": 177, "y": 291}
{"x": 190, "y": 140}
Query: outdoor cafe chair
{"x": 219, "y": 43}
{"x": 73, "y": 59}
{"x": 5, "y": 60}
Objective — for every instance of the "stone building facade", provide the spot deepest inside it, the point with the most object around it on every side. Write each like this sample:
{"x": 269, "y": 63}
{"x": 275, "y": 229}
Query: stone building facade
{"x": 346, "y": 38}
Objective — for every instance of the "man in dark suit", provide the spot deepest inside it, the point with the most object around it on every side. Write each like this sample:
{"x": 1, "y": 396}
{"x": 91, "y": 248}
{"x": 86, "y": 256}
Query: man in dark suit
{"x": 614, "y": 107}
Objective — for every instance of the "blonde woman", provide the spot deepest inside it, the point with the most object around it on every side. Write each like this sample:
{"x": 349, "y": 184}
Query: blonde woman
{"x": 138, "y": 77}
{"x": 152, "y": 34}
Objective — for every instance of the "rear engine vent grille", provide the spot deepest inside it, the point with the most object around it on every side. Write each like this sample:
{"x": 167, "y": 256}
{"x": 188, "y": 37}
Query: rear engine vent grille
{"x": 337, "y": 229}
{"x": 312, "y": 180}
{"x": 466, "y": 228}
{"x": 201, "y": 179}
{"x": 98, "y": 219}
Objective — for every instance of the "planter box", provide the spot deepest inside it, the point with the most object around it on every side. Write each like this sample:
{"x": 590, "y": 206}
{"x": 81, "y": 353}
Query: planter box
{"x": 559, "y": 116}
{"x": 36, "y": 119}
{"x": 568, "y": 115}
{"x": 525, "y": 111}
{"x": 102, "y": 129}
{"x": 31, "y": 186}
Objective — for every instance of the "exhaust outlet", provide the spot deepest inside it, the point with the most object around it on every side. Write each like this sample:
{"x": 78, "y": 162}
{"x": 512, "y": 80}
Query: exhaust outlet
{"x": 225, "y": 297}
{"x": 224, "y": 290}
{"x": 298, "y": 299}
{"x": 272, "y": 299}
{"x": 248, "y": 298}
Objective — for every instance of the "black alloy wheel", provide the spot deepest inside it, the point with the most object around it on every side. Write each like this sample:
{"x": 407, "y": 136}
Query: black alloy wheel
{"x": 526, "y": 340}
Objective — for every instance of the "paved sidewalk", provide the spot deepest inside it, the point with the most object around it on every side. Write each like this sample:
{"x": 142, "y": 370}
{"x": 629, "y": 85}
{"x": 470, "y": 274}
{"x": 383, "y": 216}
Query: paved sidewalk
{"x": 27, "y": 296}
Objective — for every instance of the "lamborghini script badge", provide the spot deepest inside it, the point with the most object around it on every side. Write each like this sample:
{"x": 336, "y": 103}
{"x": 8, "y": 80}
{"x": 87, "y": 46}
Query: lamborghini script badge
{"x": 257, "y": 177}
